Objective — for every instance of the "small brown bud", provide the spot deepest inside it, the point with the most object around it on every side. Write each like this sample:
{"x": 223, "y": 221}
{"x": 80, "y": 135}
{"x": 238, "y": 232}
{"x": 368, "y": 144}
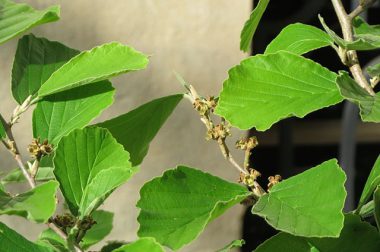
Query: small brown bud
{"x": 249, "y": 179}
{"x": 38, "y": 150}
{"x": 247, "y": 143}
{"x": 219, "y": 131}
{"x": 65, "y": 221}
{"x": 86, "y": 223}
{"x": 273, "y": 180}
{"x": 200, "y": 106}
{"x": 211, "y": 103}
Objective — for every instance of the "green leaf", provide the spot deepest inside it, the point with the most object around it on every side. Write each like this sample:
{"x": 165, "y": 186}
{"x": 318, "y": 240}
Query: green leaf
{"x": 251, "y": 24}
{"x": 35, "y": 61}
{"x": 15, "y": 176}
{"x": 361, "y": 27}
{"x": 97, "y": 64}
{"x": 374, "y": 70}
{"x": 376, "y": 199}
{"x": 176, "y": 207}
{"x": 356, "y": 235}
{"x": 369, "y": 105}
{"x": 2, "y": 130}
{"x": 98, "y": 231}
{"x": 101, "y": 186}
{"x": 299, "y": 39}
{"x": 59, "y": 114}
{"x": 362, "y": 42}
{"x": 285, "y": 243}
{"x": 51, "y": 239}
{"x": 309, "y": 204}
{"x": 264, "y": 89}
{"x": 373, "y": 181}
{"x": 142, "y": 244}
{"x": 11, "y": 241}
{"x": 37, "y": 204}
{"x": 89, "y": 164}
{"x": 18, "y": 18}
{"x": 137, "y": 128}
{"x": 366, "y": 210}
{"x": 233, "y": 244}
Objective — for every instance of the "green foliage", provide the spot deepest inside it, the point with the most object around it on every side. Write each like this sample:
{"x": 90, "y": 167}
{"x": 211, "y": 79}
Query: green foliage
{"x": 71, "y": 88}
{"x": 38, "y": 204}
{"x": 35, "y": 61}
{"x": 374, "y": 70}
{"x": 137, "y": 128}
{"x": 89, "y": 164}
{"x": 2, "y": 130}
{"x": 142, "y": 244}
{"x": 232, "y": 245}
{"x": 59, "y": 114}
{"x": 97, "y": 64}
{"x": 366, "y": 32}
{"x": 264, "y": 89}
{"x": 251, "y": 24}
{"x": 362, "y": 42}
{"x": 17, "y": 18}
{"x": 100, "y": 230}
{"x": 299, "y": 39}
{"x": 51, "y": 239}
{"x": 308, "y": 204}
{"x": 97, "y": 233}
{"x": 376, "y": 199}
{"x": 176, "y": 207}
{"x": 11, "y": 241}
{"x": 286, "y": 243}
{"x": 355, "y": 236}
{"x": 373, "y": 181}
{"x": 15, "y": 176}
{"x": 369, "y": 105}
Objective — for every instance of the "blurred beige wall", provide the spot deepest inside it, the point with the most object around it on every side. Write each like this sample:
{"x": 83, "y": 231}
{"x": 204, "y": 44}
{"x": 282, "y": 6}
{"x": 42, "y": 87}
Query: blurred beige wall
{"x": 199, "y": 39}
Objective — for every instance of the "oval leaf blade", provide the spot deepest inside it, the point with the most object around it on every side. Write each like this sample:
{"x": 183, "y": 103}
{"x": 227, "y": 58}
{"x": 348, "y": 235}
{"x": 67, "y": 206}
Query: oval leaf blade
{"x": 11, "y": 241}
{"x": 264, "y": 89}
{"x": 309, "y": 204}
{"x": 97, "y": 64}
{"x": 57, "y": 115}
{"x": 86, "y": 158}
{"x": 38, "y": 204}
{"x": 35, "y": 61}
{"x": 251, "y": 24}
{"x": 299, "y": 39}
{"x": 176, "y": 207}
{"x": 16, "y": 18}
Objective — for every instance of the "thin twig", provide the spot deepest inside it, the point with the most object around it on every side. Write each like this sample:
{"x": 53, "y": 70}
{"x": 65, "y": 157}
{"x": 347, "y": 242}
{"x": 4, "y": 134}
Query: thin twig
{"x": 223, "y": 132}
{"x": 345, "y": 21}
{"x": 25, "y": 172}
{"x": 360, "y": 8}
{"x": 247, "y": 155}
{"x": 62, "y": 234}
{"x": 228, "y": 156}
